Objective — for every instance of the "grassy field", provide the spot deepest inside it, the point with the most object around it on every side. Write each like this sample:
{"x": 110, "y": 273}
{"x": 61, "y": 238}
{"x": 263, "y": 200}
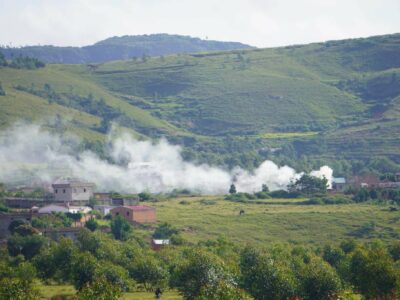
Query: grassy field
{"x": 201, "y": 218}
{"x": 48, "y": 291}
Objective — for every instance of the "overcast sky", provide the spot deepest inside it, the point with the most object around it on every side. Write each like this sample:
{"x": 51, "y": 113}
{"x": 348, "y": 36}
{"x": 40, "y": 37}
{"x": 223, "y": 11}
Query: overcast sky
{"x": 262, "y": 23}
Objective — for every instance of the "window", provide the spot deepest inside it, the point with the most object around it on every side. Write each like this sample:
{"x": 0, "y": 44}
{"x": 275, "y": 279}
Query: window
{"x": 84, "y": 190}
{"x": 127, "y": 213}
{"x": 64, "y": 191}
{"x": 56, "y": 191}
{"x": 117, "y": 214}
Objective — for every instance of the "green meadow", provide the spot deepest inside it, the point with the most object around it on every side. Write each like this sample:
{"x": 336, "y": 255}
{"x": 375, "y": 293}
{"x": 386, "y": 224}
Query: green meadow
{"x": 202, "y": 218}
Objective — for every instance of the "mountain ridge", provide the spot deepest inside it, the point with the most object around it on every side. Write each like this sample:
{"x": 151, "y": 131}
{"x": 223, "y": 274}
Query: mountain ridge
{"x": 335, "y": 103}
{"x": 122, "y": 47}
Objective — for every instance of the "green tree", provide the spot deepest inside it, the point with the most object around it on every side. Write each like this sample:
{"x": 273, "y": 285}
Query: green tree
{"x": 232, "y": 189}
{"x": 373, "y": 273}
{"x": 164, "y": 231}
{"x": 149, "y": 272}
{"x": 74, "y": 216}
{"x": 14, "y": 224}
{"x": 267, "y": 277}
{"x": 308, "y": 185}
{"x": 319, "y": 281}
{"x": 264, "y": 188}
{"x": 88, "y": 241}
{"x": 100, "y": 289}
{"x": 120, "y": 228}
{"x": 201, "y": 275}
{"x": 16, "y": 289}
{"x": 28, "y": 246}
{"x": 84, "y": 269}
{"x": 91, "y": 224}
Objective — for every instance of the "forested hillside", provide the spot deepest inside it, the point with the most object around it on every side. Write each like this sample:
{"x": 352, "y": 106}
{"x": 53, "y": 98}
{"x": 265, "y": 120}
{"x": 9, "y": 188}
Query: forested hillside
{"x": 335, "y": 103}
{"x": 125, "y": 47}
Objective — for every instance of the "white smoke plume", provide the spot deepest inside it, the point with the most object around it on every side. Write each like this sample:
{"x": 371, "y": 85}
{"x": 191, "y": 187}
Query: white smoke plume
{"x": 27, "y": 150}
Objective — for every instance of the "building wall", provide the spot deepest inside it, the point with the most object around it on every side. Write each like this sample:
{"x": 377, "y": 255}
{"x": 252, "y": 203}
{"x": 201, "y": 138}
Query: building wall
{"x": 66, "y": 194}
{"x": 145, "y": 216}
{"x": 140, "y": 216}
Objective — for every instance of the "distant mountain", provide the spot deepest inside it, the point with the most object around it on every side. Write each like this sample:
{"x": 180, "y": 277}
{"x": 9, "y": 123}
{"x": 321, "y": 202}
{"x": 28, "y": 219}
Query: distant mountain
{"x": 124, "y": 47}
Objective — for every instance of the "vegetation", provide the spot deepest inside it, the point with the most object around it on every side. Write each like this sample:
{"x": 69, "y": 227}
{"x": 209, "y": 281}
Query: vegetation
{"x": 338, "y": 104}
{"x": 116, "y": 48}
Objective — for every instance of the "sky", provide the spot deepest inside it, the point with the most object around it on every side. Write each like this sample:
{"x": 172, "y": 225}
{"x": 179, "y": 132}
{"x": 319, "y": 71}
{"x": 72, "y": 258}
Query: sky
{"x": 261, "y": 23}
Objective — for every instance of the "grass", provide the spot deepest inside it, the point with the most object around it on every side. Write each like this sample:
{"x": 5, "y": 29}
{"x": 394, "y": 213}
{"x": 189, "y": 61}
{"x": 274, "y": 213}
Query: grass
{"x": 314, "y": 225}
{"x": 48, "y": 291}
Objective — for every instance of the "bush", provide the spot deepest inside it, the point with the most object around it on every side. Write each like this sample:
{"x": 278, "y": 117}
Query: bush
{"x": 327, "y": 200}
{"x": 284, "y": 194}
{"x": 262, "y": 195}
{"x": 240, "y": 197}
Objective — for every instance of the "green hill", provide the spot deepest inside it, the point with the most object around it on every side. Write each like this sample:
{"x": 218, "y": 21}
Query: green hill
{"x": 124, "y": 47}
{"x": 335, "y": 102}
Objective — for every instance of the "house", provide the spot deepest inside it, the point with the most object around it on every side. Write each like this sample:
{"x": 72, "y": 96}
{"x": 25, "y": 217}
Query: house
{"x": 338, "y": 184}
{"x": 368, "y": 181}
{"x": 104, "y": 209}
{"x": 54, "y": 208}
{"x": 136, "y": 214}
{"x": 109, "y": 199}
{"x": 72, "y": 190}
{"x": 158, "y": 244}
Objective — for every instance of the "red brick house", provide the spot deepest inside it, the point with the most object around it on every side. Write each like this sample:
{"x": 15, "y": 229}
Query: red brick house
{"x": 136, "y": 214}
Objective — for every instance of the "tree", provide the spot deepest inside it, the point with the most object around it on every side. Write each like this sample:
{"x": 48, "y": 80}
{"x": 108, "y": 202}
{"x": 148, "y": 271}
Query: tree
{"x": 149, "y": 272}
{"x": 16, "y": 289}
{"x": 319, "y": 280}
{"x": 74, "y": 216}
{"x": 25, "y": 230}
{"x": 88, "y": 241}
{"x": 84, "y": 269}
{"x": 120, "y": 228}
{"x": 144, "y": 196}
{"x": 232, "y": 189}
{"x": 202, "y": 275}
{"x": 28, "y": 246}
{"x": 267, "y": 277}
{"x": 14, "y": 224}
{"x": 164, "y": 231}
{"x": 100, "y": 289}
{"x": 91, "y": 224}
{"x": 373, "y": 273}
{"x": 308, "y": 184}
{"x": 264, "y": 188}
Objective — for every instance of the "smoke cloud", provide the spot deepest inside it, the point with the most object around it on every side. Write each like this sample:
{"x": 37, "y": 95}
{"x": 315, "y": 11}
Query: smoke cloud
{"x": 28, "y": 152}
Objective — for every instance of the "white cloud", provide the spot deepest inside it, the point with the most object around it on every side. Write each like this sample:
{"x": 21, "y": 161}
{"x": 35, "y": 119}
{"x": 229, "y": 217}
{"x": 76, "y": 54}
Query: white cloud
{"x": 262, "y": 23}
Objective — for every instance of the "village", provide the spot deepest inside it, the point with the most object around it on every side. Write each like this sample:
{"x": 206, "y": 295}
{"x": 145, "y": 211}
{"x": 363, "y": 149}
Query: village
{"x": 78, "y": 199}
